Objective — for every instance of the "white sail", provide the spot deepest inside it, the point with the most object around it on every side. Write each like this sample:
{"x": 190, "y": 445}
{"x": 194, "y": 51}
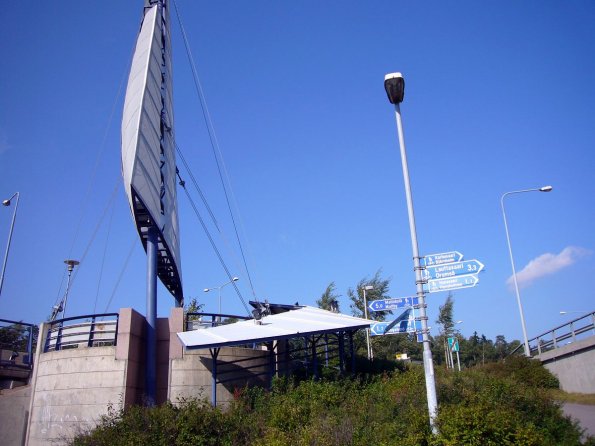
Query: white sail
{"x": 148, "y": 157}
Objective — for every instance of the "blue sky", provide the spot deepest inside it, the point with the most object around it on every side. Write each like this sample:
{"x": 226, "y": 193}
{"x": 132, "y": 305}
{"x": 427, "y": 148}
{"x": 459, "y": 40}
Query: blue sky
{"x": 499, "y": 97}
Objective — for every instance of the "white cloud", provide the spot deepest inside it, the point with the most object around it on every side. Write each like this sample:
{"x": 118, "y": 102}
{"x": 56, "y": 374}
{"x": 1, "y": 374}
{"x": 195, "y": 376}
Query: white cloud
{"x": 547, "y": 264}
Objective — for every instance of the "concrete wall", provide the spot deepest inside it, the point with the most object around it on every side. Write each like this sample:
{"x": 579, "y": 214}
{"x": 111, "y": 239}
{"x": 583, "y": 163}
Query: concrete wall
{"x": 191, "y": 375}
{"x": 72, "y": 388}
{"x": 574, "y": 365}
{"x": 14, "y": 411}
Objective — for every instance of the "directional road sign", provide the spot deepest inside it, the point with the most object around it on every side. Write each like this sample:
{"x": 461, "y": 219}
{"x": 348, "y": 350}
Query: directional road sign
{"x": 443, "y": 257}
{"x": 452, "y": 283}
{"x": 453, "y": 269}
{"x": 393, "y": 303}
{"x": 409, "y": 325}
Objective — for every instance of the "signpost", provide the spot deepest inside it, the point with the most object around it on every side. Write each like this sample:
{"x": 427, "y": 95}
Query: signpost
{"x": 453, "y": 269}
{"x": 393, "y": 303}
{"x": 452, "y": 283}
{"x": 443, "y": 257}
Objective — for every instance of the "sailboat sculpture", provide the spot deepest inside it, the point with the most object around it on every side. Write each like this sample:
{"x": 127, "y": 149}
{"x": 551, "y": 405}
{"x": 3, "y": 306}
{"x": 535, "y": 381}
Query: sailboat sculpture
{"x": 148, "y": 156}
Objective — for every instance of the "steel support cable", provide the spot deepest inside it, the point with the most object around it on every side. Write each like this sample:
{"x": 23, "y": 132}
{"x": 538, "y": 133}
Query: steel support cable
{"x": 207, "y": 206}
{"x": 109, "y": 227}
{"x": 96, "y": 165}
{"x": 214, "y": 246}
{"x": 214, "y": 143}
{"x": 95, "y": 231}
{"x": 130, "y": 251}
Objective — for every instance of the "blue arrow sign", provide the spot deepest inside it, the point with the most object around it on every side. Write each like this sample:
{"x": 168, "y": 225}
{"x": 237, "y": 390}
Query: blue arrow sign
{"x": 453, "y": 269}
{"x": 443, "y": 257}
{"x": 393, "y": 303}
{"x": 409, "y": 325}
{"x": 452, "y": 283}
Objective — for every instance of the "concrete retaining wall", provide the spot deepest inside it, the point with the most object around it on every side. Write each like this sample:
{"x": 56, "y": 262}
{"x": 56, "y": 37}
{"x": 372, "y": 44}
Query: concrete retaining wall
{"x": 574, "y": 365}
{"x": 190, "y": 376}
{"x": 72, "y": 388}
{"x": 14, "y": 411}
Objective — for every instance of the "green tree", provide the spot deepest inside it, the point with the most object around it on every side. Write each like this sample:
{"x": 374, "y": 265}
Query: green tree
{"x": 446, "y": 321}
{"x": 192, "y": 307}
{"x": 380, "y": 287}
{"x": 445, "y": 316}
{"x": 329, "y": 299}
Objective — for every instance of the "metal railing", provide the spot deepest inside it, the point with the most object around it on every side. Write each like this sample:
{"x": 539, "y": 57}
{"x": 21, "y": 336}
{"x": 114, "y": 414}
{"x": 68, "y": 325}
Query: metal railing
{"x": 572, "y": 331}
{"x": 92, "y": 331}
{"x": 16, "y": 343}
{"x": 196, "y": 321}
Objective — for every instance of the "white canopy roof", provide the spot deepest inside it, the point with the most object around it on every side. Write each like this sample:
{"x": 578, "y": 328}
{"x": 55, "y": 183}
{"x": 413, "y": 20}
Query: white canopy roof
{"x": 303, "y": 321}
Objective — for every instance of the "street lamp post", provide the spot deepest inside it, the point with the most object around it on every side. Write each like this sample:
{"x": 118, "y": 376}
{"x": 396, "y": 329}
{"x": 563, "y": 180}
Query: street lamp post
{"x": 218, "y": 288}
{"x": 14, "y": 216}
{"x": 516, "y": 285}
{"x": 394, "y": 84}
{"x": 370, "y": 352}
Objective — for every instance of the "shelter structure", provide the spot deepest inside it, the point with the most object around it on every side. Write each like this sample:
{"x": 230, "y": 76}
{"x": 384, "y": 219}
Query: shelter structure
{"x": 294, "y": 337}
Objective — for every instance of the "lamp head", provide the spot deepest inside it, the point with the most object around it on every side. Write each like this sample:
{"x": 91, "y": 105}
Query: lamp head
{"x": 235, "y": 279}
{"x": 545, "y": 189}
{"x": 71, "y": 264}
{"x": 206, "y": 290}
{"x": 394, "y": 84}
{"x": 6, "y": 202}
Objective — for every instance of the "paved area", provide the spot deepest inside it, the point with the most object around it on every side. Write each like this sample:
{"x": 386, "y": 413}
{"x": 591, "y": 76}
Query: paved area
{"x": 584, "y": 413}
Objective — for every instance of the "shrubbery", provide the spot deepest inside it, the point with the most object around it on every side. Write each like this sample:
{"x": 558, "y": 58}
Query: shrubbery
{"x": 498, "y": 404}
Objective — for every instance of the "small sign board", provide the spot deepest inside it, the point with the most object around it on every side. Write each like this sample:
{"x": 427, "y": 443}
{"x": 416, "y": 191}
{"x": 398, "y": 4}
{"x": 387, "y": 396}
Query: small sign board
{"x": 405, "y": 326}
{"x": 393, "y": 303}
{"x": 453, "y": 269}
{"x": 452, "y": 283}
{"x": 439, "y": 259}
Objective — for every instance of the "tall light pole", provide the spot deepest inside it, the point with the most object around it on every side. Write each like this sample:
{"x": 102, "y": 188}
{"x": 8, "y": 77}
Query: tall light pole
{"x": 370, "y": 352}
{"x": 206, "y": 290}
{"x": 14, "y": 216}
{"x": 516, "y": 285}
{"x": 394, "y": 84}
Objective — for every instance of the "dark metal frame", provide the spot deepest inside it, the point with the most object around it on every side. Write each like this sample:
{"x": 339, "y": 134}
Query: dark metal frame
{"x": 58, "y": 326}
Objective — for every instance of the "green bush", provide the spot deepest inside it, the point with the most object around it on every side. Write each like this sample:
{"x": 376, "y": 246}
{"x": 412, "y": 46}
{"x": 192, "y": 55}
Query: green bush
{"x": 501, "y": 404}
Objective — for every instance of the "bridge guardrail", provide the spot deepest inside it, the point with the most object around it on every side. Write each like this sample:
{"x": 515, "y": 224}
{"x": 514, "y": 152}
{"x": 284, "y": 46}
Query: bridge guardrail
{"x": 17, "y": 343}
{"x": 570, "y": 331}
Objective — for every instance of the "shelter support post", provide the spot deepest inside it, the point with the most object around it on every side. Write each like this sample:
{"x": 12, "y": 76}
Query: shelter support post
{"x": 314, "y": 359}
{"x": 214, "y": 354}
{"x": 352, "y": 352}
{"x": 271, "y": 347}
{"x": 151, "y": 317}
{"x": 341, "y": 339}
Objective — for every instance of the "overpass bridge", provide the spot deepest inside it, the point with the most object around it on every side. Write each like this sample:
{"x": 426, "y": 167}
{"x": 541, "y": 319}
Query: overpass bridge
{"x": 568, "y": 351}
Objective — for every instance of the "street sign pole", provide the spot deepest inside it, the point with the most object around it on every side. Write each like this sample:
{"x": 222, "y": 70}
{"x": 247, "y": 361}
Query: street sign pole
{"x": 395, "y": 85}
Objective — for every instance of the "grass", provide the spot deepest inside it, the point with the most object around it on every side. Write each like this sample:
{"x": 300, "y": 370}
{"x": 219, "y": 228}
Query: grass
{"x": 577, "y": 398}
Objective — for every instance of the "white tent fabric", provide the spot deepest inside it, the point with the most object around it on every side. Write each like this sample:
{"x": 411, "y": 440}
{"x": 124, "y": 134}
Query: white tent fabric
{"x": 303, "y": 321}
